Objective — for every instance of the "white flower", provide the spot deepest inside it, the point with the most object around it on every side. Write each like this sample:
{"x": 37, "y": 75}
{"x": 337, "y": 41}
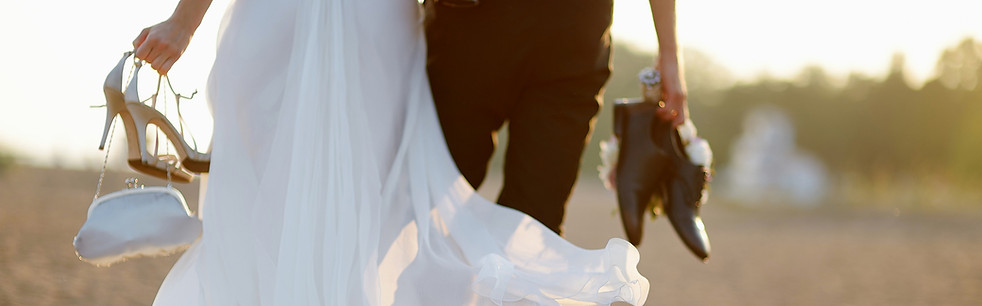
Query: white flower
{"x": 699, "y": 152}
{"x": 649, "y": 77}
{"x": 687, "y": 131}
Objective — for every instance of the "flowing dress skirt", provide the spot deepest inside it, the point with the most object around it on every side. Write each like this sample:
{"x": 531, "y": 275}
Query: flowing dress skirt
{"x": 331, "y": 183}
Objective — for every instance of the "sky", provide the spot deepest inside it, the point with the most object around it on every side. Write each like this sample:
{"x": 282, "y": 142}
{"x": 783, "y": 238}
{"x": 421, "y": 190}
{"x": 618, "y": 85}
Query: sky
{"x": 56, "y": 53}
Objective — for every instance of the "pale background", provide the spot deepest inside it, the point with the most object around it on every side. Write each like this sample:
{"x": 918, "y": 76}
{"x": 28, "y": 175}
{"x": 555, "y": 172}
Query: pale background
{"x": 882, "y": 238}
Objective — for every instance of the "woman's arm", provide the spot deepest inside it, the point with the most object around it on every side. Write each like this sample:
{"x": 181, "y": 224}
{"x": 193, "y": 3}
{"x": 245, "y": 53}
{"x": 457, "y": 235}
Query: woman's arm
{"x": 669, "y": 63}
{"x": 162, "y": 44}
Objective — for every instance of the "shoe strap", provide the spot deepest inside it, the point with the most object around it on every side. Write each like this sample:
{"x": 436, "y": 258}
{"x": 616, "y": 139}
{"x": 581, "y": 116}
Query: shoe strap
{"x": 180, "y": 117}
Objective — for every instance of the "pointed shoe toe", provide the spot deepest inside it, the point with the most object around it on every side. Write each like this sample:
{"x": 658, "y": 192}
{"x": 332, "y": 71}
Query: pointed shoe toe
{"x": 682, "y": 210}
{"x": 684, "y": 198}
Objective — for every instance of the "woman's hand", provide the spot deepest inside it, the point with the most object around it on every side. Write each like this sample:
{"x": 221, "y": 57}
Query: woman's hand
{"x": 162, "y": 44}
{"x": 673, "y": 92}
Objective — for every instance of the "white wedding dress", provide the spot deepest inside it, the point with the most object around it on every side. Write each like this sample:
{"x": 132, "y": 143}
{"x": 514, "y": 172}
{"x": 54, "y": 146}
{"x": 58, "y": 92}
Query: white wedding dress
{"x": 331, "y": 183}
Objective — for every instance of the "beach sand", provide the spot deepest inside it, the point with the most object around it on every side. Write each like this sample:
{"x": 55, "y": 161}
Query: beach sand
{"x": 829, "y": 256}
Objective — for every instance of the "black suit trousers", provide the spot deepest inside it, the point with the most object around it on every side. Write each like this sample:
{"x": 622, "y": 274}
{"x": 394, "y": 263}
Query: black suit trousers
{"x": 540, "y": 65}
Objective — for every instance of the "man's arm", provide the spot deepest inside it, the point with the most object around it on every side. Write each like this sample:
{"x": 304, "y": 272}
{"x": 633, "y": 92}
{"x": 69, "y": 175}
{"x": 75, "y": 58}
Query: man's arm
{"x": 669, "y": 63}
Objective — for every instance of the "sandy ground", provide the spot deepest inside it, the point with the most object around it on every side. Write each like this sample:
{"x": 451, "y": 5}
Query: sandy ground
{"x": 760, "y": 257}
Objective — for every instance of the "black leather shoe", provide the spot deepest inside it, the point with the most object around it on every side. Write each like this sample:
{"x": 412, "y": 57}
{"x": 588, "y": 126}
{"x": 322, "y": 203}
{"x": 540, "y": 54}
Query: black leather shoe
{"x": 642, "y": 165}
{"x": 458, "y": 3}
{"x": 684, "y": 187}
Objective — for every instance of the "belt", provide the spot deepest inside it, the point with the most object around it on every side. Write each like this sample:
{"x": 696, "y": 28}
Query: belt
{"x": 458, "y": 3}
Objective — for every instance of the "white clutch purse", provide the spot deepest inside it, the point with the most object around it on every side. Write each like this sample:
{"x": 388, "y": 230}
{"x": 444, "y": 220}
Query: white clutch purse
{"x": 134, "y": 222}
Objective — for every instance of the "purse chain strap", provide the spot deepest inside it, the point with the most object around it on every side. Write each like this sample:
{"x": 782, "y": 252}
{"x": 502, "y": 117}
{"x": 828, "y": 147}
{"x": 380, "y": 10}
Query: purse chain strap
{"x": 105, "y": 161}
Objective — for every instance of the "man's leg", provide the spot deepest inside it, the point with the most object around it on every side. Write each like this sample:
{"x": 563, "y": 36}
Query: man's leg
{"x": 473, "y": 55}
{"x": 469, "y": 128}
{"x": 552, "y": 121}
{"x": 548, "y": 130}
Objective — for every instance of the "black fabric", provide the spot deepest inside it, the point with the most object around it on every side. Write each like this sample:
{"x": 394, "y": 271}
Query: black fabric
{"x": 539, "y": 65}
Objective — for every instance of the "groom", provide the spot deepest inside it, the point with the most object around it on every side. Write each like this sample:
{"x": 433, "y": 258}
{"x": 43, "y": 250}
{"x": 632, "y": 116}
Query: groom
{"x": 540, "y": 65}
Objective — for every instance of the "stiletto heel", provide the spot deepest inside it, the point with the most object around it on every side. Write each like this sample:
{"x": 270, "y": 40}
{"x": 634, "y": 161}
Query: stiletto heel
{"x": 114, "y": 96}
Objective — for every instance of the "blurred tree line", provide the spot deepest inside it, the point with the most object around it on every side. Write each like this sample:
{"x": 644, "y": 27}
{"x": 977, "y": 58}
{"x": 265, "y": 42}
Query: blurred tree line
{"x": 6, "y": 160}
{"x": 865, "y": 125}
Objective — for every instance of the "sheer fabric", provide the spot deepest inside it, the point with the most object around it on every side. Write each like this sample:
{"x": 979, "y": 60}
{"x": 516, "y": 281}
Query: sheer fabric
{"x": 331, "y": 183}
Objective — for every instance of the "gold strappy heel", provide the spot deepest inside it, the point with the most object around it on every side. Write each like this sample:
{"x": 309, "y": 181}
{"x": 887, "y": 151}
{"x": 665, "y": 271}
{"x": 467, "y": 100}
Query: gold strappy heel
{"x": 136, "y": 117}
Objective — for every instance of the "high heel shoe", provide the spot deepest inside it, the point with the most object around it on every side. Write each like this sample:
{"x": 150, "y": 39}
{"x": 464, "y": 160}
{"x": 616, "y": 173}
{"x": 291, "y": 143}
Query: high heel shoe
{"x": 116, "y": 105}
{"x": 140, "y": 116}
{"x": 136, "y": 116}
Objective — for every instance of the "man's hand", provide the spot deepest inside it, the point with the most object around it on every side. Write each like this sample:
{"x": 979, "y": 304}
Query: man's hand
{"x": 673, "y": 93}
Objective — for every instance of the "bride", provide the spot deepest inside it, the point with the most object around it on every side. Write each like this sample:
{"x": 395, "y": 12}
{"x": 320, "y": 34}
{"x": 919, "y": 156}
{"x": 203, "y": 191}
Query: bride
{"x": 331, "y": 184}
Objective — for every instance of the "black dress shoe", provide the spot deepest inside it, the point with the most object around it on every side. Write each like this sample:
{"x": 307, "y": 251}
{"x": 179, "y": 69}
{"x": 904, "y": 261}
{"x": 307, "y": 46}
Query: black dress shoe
{"x": 642, "y": 165}
{"x": 684, "y": 187}
{"x": 652, "y": 166}
{"x": 458, "y": 3}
